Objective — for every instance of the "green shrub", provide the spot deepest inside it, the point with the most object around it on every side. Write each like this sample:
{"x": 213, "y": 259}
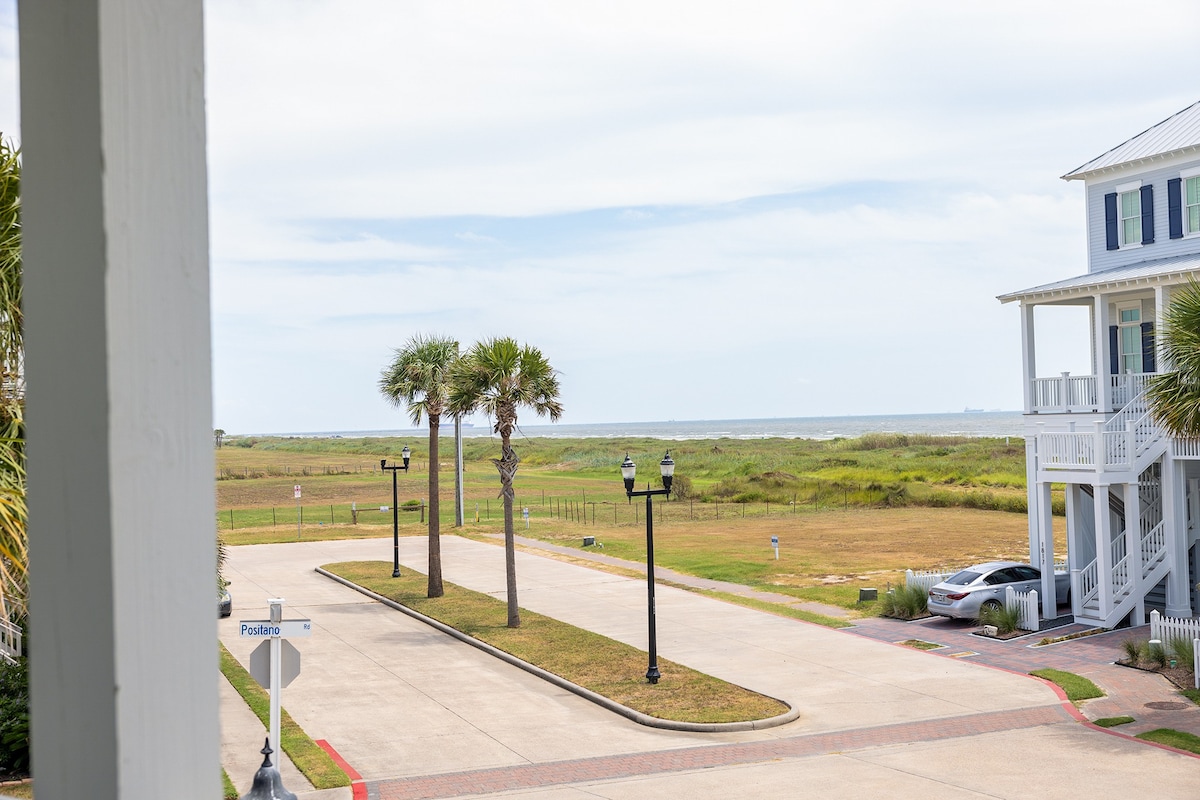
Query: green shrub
{"x": 14, "y": 717}
{"x": 1135, "y": 651}
{"x": 905, "y": 602}
{"x": 1005, "y": 618}
{"x": 1156, "y": 655}
{"x": 1181, "y": 648}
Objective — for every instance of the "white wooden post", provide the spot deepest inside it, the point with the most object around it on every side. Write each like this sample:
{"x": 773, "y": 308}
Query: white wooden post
{"x": 1133, "y": 545}
{"x": 1064, "y": 384}
{"x": 1100, "y": 352}
{"x": 1179, "y": 586}
{"x": 1104, "y": 565}
{"x": 121, "y": 496}
{"x": 1028, "y": 357}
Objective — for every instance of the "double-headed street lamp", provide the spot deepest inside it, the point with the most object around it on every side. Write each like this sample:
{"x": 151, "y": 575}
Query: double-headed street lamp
{"x": 628, "y": 471}
{"x": 405, "y": 454}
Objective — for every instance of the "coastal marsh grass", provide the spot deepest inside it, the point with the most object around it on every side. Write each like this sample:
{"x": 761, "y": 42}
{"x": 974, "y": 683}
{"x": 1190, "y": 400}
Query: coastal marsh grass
{"x": 864, "y": 509}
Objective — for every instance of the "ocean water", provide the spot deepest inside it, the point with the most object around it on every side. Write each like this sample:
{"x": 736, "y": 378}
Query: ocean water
{"x": 983, "y": 423}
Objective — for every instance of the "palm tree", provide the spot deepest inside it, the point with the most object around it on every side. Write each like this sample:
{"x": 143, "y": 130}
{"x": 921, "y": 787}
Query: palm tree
{"x": 1175, "y": 396}
{"x": 417, "y": 378}
{"x": 14, "y": 554}
{"x": 497, "y": 376}
{"x": 219, "y": 436}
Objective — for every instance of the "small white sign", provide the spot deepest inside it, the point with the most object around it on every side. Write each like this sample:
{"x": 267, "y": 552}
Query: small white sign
{"x": 774, "y": 541}
{"x": 265, "y": 629}
{"x": 296, "y": 490}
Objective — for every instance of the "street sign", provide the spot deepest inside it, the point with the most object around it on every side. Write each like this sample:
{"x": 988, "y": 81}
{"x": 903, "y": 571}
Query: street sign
{"x": 265, "y": 629}
{"x": 296, "y": 490}
{"x": 774, "y": 541}
{"x": 260, "y": 663}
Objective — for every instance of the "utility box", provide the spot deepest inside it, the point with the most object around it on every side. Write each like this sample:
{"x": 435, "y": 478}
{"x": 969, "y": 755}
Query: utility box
{"x": 589, "y": 541}
{"x": 868, "y": 595}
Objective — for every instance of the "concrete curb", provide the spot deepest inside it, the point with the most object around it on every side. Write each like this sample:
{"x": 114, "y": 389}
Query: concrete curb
{"x": 636, "y": 716}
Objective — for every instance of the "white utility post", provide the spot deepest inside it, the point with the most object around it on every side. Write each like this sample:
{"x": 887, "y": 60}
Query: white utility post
{"x": 296, "y": 490}
{"x": 775, "y": 544}
{"x": 276, "y": 673}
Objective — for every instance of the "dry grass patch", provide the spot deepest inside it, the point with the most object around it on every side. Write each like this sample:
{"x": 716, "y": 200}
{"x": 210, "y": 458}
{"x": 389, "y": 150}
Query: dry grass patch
{"x": 607, "y": 667}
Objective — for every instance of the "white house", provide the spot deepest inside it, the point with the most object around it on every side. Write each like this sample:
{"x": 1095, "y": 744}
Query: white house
{"x": 1132, "y": 492}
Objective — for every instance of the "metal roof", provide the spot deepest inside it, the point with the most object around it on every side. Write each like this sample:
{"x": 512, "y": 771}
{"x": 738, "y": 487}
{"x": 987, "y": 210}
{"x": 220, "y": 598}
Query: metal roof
{"x": 1178, "y": 269}
{"x": 1176, "y": 135}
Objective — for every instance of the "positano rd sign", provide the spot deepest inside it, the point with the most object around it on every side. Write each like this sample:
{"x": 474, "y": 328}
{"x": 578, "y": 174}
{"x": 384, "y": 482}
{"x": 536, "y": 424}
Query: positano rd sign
{"x": 265, "y": 629}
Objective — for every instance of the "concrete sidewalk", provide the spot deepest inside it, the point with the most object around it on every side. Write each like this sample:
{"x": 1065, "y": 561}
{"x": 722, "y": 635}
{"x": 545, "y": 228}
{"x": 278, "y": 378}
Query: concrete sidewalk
{"x": 420, "y": 715}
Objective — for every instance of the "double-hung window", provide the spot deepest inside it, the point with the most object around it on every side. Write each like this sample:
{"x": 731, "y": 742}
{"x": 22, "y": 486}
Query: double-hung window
{"x": 1129, "y": 216}
{"x": 1183, "y": 203}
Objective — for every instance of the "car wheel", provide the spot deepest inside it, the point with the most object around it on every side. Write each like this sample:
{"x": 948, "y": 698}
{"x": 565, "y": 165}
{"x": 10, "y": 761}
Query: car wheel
{"x": 991, "y": 606}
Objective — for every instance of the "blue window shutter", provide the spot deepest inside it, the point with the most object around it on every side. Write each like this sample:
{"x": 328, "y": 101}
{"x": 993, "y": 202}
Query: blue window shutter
{"x": 1148, "y": 214}
{"x": 1114, "y": 351}
{"x": 1175, "y": 207}
{"x": 1148, "y": 347}
{"x": 1110, "y": 222}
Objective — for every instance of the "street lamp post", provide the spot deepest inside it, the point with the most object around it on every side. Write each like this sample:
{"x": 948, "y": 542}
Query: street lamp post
{"x": 405, "y": 455}
{"x": 628, "y": 471}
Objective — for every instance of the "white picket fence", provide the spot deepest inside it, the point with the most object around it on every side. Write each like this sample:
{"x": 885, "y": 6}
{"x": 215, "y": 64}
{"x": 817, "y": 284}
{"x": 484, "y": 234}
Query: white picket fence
{"x": 924, "y": 579}
{"x": 1166, "y": 628}
{"x": 1028, "y": 603}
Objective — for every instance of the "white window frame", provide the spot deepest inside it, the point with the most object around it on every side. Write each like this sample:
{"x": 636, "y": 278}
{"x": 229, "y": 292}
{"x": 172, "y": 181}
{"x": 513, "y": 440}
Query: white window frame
{"x": 1133, "y": 187}
{"x": 1185, "y": 176}
{"x": 1122, "y": 326}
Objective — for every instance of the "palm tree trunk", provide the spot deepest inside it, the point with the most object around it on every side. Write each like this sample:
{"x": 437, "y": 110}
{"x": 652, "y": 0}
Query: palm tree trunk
{"x": 507, "y": 465}
{"x": 434, "y": 588}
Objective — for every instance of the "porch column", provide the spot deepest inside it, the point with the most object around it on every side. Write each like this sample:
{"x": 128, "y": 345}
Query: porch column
{"x": 1179, "y": 588}
{"x": 1072, "y": 509}
{"x": 1028, "y": 358}
{"x": 1162, "y": 300}
{"x": 120, "y": 450}
{"x": 1133, "y": 546}
{"x": 1100, "y": 363}
{"x": 1046, "y": 554}
{"x": 1033, "y": 519}
{"x": 1103, "y": 550}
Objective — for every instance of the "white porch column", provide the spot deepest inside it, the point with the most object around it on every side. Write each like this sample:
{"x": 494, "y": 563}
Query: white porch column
{"x": 1133, "y": 546}
{"x": 1162, "y": 299}
{"x": 1028, "y": 357}
{"x": 1103, "y": 549}
{"x": 121, "y": 500}
{"x": 1100, "y": 353}
{"x": 1179, "y": 588}
{"x": 1071, "y": 497}
{"x": 1033, "y": 518}
{"x": 1046, "y": 553}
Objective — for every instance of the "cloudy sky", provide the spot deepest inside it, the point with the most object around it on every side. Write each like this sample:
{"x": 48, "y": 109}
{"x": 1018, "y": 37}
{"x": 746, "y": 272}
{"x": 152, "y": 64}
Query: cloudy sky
{"x": 697, "y": 210}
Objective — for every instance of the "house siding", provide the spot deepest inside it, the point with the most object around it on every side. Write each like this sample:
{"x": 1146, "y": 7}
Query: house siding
{"x": 1163, "y": 246}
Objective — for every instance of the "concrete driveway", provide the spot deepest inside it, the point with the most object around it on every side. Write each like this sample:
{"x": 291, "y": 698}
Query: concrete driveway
{"x": 420, "y": 715}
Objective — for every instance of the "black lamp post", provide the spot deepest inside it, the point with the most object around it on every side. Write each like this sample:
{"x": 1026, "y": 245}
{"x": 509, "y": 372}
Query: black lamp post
{"x": 405, "y": 454}
{"x": 628, "y": 471}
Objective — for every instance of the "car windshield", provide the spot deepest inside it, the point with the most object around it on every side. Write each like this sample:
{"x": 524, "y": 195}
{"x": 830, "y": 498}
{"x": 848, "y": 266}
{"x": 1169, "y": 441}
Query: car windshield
{"x": 962, "y": 578}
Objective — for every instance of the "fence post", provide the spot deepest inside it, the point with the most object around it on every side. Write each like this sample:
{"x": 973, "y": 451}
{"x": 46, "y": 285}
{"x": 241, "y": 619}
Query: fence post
{"x": 908, "y": 577}
{"x": 1155, "y": 624}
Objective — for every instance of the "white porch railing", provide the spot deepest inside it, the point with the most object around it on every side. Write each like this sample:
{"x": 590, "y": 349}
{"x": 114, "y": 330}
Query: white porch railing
{"x": 10, "y": 641}
{"x": 1154, "y": 548}
{"x": 1027, "y": 603}
{"x": 1099, "y": 450}
{"x": 1166, "y": 628}
{"x": 1185, "y": 448}
{"x": 1077, "y": 393}
{"x": 1089, "y": 582}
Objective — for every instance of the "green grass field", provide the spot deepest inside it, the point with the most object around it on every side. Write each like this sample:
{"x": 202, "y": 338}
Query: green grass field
{"x": 864, "y": 510}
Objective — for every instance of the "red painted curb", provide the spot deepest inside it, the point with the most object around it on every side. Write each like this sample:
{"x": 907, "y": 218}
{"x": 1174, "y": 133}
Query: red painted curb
{"x": 356, "y": 781}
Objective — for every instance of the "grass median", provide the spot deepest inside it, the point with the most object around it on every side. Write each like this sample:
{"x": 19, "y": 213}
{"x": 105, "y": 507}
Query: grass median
{"x": 597, "y": 663}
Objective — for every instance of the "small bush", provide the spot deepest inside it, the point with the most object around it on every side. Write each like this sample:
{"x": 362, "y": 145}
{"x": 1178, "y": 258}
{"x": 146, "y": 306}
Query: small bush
{"x": 14, "y": 718}
{"x": 1181, "y": 648}
{"x": 1005, "y": 618}
{"x": 905, "y": 602}
{"x": 1156, "y": 655}
{"x": 1134, "y": 651}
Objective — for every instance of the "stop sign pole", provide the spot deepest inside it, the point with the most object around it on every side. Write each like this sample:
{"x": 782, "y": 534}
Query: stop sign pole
{"x": 275, "y": 629}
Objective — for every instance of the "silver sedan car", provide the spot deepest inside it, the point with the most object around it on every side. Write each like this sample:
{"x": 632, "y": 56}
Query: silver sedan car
{"x": 965, "y": 593}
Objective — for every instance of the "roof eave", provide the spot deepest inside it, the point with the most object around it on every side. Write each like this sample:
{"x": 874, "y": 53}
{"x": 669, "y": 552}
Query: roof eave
{"x": 1083, "y": 174}
{"x": 1037, "y": 293}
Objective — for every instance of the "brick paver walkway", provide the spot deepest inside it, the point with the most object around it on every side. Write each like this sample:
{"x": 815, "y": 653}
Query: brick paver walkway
{"x": 1128, "y": 691}
{"x": 692, "y": 758}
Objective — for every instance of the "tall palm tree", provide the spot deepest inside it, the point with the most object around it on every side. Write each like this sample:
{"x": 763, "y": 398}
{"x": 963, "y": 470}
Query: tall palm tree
{"x": 497, "y": 376}
{"x": 417, "y": 378}
{"x": 1175, "y": 396}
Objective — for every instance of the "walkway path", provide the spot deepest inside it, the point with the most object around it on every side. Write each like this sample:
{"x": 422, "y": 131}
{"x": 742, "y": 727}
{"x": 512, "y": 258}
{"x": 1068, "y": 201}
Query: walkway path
{"x": 418, "y": 714}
